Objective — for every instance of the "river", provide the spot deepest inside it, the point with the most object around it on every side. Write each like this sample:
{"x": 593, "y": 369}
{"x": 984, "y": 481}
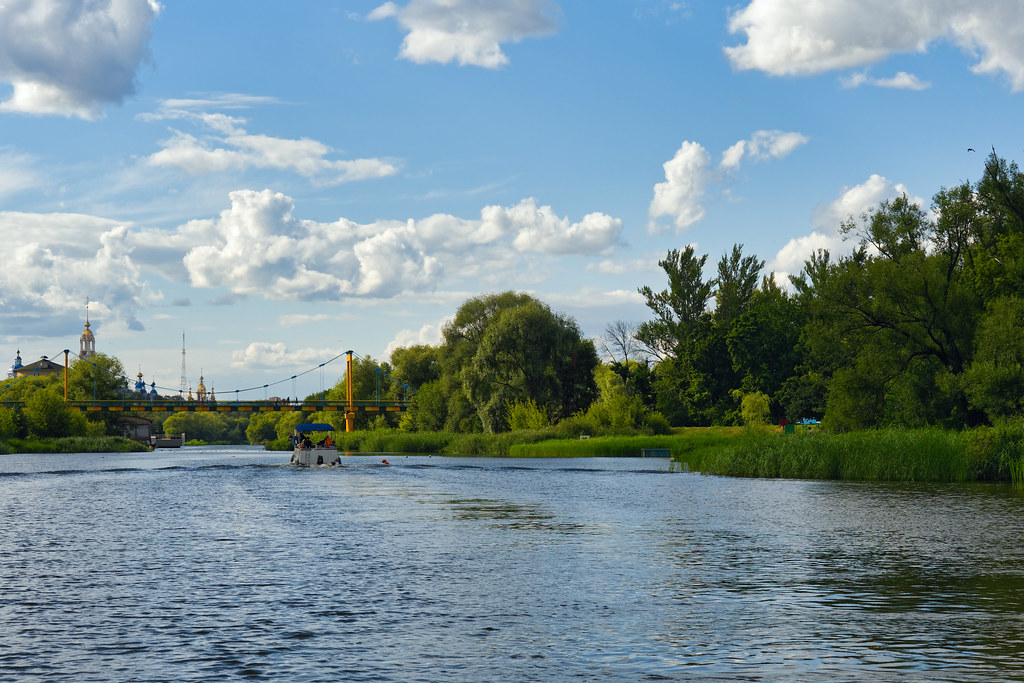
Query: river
{"x": 223, "y": 564}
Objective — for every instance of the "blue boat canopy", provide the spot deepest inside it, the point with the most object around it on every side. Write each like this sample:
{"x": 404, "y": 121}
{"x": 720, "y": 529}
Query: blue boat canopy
{"x": 315, "y": 427}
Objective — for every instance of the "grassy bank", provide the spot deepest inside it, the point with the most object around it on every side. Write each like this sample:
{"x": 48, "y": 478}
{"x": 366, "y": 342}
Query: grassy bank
{"x": 74, "y": 444}
{"x": 983, "y": 454}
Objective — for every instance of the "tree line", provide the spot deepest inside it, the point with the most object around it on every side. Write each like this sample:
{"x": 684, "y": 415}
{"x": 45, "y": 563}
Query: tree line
{"x": 920, "y": 324}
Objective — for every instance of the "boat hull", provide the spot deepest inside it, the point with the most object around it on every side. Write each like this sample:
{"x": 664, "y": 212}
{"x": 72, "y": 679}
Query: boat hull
{"x": 312, "y": 457}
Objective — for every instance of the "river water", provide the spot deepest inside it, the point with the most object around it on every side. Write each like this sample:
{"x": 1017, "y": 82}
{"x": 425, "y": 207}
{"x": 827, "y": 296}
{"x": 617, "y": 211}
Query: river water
{"x": 223, "y": 564}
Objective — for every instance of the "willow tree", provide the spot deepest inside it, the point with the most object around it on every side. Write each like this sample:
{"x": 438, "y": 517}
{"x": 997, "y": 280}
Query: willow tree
{"x": 510, "y": 347}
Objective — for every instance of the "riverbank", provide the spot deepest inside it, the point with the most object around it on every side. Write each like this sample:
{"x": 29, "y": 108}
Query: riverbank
{"x": 73, "y": 444}
{"x": 932, "y": 454}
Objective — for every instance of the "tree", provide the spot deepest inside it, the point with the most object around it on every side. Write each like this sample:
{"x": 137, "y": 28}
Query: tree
{"x": 100, "y": 378}
{"x": 619, "y": 342}
{"x": 679, "y": 309}
{"x": 521, "y": 351}
{"x": 994, "y": 382}
{"x": 209, "y": 427}
{"x": 262, "y": 427}
{"x": 525, "y": 415}
{"x": 764, "y": 340}
{"x": 47, "y": 416}
{"x": 735, "y": 284}
{"x": 371, "y": 381}
{"x": 414, "y": 366}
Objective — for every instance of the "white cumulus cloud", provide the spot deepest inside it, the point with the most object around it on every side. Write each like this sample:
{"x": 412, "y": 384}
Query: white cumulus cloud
{"x": 260, "y": 355}
{"x": 685, "y": 181}
{"x": 257, "y": 247}
{"x": 72, "y": 57}
{"x": 800, "y": 37}
{"x": 225, "y": 145}
{"x": 852, "y": 202}
{"x": 539, "y": 229}
{"x": 428, "y": 334}
{"x": 59, "y": 260}
{"x": 469, "y": 32}
{"x": 689, "y": 174}
{"x": 762, "y": 146}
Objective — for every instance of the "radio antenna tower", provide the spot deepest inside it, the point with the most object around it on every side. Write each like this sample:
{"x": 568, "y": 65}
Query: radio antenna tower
{"x": 184, "y": 381}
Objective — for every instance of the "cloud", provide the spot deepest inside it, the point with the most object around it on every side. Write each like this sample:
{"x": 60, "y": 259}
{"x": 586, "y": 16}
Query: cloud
{"x": 72, "y": 57}
{"x": 539, "y": 229}
{"x": 257, "y": 247}
{"x": 901, "y": 81}
{"x": 227, "y": 146}
{"x": 61, "y": 259}
{"x": 428, "y": 334}
{"x": 264, "y": 355}
{"x": 802, "y": 37}
{"x": 609, "y": 267}
{"x": 762, "y": 146}
{"x": 688, "y": 174}
{"x": 469, "y": 32}
{"x": 852, "y": 202}
{"x": 685, "y": 181}
{"x": 17, "y": 172}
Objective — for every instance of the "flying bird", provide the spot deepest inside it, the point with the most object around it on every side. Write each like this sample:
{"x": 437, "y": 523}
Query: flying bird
{"x": 970, "y": 149}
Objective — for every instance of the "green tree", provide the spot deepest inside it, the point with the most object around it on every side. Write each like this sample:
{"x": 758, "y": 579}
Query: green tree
{"x": 525, "y": 415}
{"x": 10, "y": 423}
{"x": 100, "y": 377}
{"x": 994, "y": 382}
{"x": 764, "y": 339}
{"x": 47, "y": 416}
{"x": 616, "y": 408}
{"x": 415, "y": 366}
{"x": 262, "y": 427}
{"x": 371, "y": 381}
{"x": 209, "y": 427}
{"x": 679, "y": 309}
{"x": 735, "y": 284}
{"x": 523, "y": 351}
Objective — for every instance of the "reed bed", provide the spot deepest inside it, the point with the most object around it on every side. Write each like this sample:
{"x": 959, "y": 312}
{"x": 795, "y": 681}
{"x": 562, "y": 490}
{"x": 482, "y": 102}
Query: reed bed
{"x": 878, "y": 455}
{"x": 75, "y": 444}
{"x": 931, "y": 454}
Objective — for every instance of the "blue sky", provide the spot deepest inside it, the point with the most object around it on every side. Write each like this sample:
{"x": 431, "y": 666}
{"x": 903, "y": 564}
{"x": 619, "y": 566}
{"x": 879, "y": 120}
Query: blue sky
{"x": 282, "y": 182}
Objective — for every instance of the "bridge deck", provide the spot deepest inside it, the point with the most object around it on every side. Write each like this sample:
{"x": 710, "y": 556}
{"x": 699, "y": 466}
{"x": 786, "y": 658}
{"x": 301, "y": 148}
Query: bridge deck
{"x": 175, "y": 406}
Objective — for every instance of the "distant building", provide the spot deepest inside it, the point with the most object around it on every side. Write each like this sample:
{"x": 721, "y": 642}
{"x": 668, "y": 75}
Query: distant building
{"x": 43, "y": 366}
{"x": 87, "y": 342}
{"x": 15, "y": 367}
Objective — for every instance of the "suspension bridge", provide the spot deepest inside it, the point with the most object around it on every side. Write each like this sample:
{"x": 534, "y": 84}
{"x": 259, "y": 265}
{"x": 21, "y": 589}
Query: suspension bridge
{"x": 143, "y": 402}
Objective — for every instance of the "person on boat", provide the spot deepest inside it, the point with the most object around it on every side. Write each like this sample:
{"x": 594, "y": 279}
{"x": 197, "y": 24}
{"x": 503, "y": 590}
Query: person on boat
{"x": 328, "y": 442}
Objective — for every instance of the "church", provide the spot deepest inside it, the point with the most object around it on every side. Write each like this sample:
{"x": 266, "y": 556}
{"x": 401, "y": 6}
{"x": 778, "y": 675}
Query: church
{"x": 45, "y": 366}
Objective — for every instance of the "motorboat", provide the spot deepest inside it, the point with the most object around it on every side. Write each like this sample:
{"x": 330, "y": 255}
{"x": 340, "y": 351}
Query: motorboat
{"x": 314, "y": 445}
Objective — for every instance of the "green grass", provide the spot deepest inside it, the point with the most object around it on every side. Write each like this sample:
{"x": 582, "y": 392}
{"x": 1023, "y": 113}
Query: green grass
{"x": 877, "y": 455}
{"x": 75, "y": 444}
{"x": 931, "y": 454}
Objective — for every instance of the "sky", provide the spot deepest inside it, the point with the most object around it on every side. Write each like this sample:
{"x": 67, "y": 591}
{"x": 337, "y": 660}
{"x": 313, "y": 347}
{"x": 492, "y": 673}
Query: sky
{"x": 279, "y": 183}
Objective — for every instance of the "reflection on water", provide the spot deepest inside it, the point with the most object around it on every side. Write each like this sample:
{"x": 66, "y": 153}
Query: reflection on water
{"x": 207, "y": 564}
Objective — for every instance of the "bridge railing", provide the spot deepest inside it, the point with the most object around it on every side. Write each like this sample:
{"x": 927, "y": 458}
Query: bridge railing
{"x": 141, "y": 405}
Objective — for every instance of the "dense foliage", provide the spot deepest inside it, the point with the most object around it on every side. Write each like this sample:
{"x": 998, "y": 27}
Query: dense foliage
{"x": 918, "y": 326}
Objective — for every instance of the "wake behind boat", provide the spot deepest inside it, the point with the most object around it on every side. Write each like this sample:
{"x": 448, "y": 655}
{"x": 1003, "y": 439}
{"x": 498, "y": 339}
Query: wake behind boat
{"x": 310, "y": 451}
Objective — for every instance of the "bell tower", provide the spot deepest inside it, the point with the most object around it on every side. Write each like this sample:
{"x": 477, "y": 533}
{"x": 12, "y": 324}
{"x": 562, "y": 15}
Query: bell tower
{"x": 87, "y": 342}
